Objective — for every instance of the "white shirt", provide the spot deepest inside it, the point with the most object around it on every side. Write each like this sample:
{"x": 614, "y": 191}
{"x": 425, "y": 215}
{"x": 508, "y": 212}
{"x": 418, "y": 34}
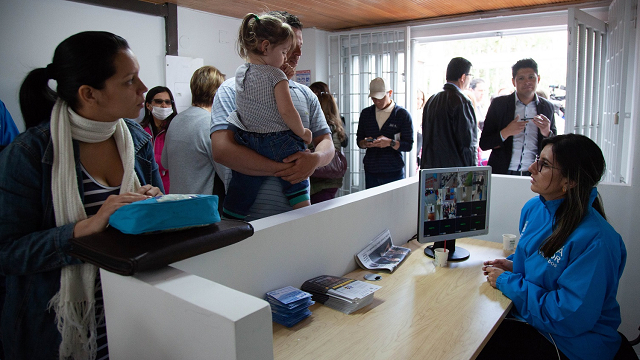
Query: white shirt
{"x": 383, "y": 115}
{"x": 525, "y": 144}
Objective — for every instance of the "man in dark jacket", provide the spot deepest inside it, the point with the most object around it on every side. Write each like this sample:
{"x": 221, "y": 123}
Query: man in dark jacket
{"x": 517, "y": 123}
{"x": 450, "y": 130}
{"x": 385, "y": 129}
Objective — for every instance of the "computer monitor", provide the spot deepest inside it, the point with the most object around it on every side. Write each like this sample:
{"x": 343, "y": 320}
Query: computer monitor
{"x": 453, "y": 203}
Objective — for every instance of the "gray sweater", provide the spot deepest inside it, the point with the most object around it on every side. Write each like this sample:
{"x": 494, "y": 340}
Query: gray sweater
{"x": 187, "y": 153}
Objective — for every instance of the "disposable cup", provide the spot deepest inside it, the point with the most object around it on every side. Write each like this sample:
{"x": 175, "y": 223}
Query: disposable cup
{"x": 508, "y": 242}
{"x": 440, "y": 257}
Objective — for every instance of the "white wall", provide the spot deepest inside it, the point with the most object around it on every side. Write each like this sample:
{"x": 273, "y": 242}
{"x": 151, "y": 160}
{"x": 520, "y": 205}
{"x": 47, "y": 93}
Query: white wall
{"x": 30, "y": 30}
{"x": 289, "y": 248}
{"x": 315, "y": 55}
{"x": 211, "y": 37}
{"x": 214, "y": 38}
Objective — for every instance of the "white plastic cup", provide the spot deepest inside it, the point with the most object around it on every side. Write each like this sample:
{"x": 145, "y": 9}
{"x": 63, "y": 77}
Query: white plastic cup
{"x": 440, "y": 257}
{"x": 508, "y": 242}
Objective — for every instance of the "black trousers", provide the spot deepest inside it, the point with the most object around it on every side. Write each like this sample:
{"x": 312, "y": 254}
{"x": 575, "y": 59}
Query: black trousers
{"x": 515, "y": 339}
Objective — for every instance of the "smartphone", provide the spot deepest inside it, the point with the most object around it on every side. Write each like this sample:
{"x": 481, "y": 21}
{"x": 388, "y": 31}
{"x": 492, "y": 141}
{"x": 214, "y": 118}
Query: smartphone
{"x": 369, "y": 139}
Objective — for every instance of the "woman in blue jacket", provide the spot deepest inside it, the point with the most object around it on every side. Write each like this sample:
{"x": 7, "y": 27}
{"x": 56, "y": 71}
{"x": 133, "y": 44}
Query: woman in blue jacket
{"x": 564, "y": 276}
{"x": 62, "y": 179}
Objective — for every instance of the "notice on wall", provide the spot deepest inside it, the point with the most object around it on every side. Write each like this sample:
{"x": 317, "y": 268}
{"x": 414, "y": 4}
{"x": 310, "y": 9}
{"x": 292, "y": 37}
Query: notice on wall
{"x": 303, "y": 77}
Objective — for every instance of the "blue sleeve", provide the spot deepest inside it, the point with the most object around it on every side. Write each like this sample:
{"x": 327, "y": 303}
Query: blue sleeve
{"x": 406, "y": 132}
{"x": 29, "y": 241}
{"x": 575, "y": 306}
{"x": 8, "y": 128}
{"x": 224, "y": 103}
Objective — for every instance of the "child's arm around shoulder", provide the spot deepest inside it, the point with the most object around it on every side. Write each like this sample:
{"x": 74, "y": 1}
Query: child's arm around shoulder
{"x": 288, "y": 111}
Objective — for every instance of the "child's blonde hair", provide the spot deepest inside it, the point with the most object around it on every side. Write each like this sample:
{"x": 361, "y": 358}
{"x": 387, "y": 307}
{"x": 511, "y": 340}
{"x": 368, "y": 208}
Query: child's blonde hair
{"x": 257, "y": 28}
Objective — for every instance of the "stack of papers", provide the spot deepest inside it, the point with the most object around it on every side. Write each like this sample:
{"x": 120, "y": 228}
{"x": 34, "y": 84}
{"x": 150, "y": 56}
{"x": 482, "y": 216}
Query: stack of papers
{"x": 342, "y": 294}
{"x": 289, "y": 305}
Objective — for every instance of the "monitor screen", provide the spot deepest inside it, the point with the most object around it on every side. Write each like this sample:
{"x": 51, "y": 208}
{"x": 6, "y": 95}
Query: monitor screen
{"x": 453, "y": 203}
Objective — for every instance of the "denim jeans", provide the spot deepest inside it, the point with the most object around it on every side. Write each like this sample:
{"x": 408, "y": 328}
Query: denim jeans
{"x": 243, "y": 189}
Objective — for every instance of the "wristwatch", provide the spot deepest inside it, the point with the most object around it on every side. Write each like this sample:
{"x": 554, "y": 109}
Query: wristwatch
{"x": 393, "y": 143}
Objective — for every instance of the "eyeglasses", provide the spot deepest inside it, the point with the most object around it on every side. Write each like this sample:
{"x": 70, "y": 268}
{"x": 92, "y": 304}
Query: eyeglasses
{"x": 469, "y": 75}
{"x": 543, "y": 164}
{"x": 160, "y": 101}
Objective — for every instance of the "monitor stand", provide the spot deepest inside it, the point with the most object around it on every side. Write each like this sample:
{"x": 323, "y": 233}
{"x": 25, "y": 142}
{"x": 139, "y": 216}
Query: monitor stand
{"x": 455, "y": 253}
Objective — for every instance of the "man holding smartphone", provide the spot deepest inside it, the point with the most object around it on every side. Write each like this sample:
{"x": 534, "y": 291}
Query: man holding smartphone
{"x": 384, "y": 130}
{"x": 516, "y": 124}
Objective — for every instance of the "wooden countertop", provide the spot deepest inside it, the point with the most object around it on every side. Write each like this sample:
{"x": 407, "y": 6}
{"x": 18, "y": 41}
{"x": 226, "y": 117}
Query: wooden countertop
{"x": 421, "y": 312}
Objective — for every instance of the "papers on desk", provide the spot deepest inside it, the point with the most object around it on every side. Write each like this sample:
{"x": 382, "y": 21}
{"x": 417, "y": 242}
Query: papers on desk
{"x": 381, "y": 254}
{"x": 289, "y": 305}
{"x": 342, "y": 294}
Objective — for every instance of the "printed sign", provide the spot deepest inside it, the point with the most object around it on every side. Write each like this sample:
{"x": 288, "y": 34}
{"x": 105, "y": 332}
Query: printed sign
{"x": 303, "y": 77}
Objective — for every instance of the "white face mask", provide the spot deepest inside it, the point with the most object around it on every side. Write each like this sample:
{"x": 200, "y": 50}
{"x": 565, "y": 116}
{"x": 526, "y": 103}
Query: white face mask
{"x": 161, "y": 113}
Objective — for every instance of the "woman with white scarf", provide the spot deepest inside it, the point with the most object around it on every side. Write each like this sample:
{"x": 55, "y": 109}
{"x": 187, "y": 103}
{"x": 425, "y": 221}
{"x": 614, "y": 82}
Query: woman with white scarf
{"x": 63, "y": 179}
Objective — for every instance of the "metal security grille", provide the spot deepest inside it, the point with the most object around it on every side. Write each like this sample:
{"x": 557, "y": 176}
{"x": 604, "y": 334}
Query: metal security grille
{"x": 616, "y": 134}
{"x": 354, "y": 60}
{"x": 597, "y": 73}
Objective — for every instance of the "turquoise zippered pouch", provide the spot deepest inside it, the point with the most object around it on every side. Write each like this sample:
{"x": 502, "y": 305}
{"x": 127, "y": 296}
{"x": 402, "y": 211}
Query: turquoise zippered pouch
{"x": 166, "y": 213}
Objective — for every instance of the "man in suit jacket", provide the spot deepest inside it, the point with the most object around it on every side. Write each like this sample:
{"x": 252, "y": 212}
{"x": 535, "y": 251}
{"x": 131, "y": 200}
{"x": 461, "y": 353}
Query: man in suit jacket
{"x": 450, "y": 130}
{"x": 516, "y": 124}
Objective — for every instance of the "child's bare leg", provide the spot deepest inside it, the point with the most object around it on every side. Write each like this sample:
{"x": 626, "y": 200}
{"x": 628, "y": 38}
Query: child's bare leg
{"x": 302, "y": 204}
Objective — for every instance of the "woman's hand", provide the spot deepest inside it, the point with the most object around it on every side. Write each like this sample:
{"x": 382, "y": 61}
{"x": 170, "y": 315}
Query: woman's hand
{"x": 149, "y": 190}
{"x": 100, "y": 220}
{"x": 504, "y": 264}
{"x": 494, "y": 268}
{"x": 492, "y": 275}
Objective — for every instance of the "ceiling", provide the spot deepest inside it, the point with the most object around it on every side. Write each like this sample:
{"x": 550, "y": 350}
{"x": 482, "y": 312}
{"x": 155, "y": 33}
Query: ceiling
{"x": 334, "y": 15}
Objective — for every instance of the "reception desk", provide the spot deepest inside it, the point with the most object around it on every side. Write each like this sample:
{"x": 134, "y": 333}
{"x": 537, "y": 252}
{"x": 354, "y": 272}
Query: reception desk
{"x": 421, "y": 312}
{"x": 210, "y": 306}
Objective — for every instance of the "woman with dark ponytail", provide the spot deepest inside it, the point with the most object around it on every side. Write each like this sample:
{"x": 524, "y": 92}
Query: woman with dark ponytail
{"x": 564, "y": 276}
{"x": 77, "y": 163}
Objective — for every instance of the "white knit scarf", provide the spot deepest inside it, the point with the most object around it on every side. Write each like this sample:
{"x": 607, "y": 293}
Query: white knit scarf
{"x": 74, "y": 304}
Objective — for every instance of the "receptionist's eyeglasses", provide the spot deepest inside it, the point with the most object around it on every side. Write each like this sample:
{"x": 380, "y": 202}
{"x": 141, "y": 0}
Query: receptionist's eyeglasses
{"x": 542, "y": 163}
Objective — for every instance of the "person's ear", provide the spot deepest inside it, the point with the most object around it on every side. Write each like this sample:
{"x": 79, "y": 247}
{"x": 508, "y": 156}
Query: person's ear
{"x": 264, "y": 45}
{"x": 568, "y": 184}
{"x": 513, "y": 81}
{"x": 538, "y": 79}
{"x": 86, "y": 95}
{"x": 390, "y": 93}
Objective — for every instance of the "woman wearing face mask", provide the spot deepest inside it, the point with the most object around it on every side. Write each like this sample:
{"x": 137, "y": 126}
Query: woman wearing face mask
{"x": 159, "y": 110}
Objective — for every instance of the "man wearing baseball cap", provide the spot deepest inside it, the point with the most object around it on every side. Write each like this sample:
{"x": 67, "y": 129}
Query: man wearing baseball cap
{"x": 385, "y": 129}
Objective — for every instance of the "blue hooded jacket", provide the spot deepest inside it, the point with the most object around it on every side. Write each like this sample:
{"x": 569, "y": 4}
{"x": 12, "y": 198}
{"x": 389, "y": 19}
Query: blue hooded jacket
{"x": 571, "y": 297}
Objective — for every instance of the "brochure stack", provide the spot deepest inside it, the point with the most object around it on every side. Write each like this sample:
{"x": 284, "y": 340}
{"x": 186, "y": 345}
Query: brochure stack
{"x": 289, "y": 305}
